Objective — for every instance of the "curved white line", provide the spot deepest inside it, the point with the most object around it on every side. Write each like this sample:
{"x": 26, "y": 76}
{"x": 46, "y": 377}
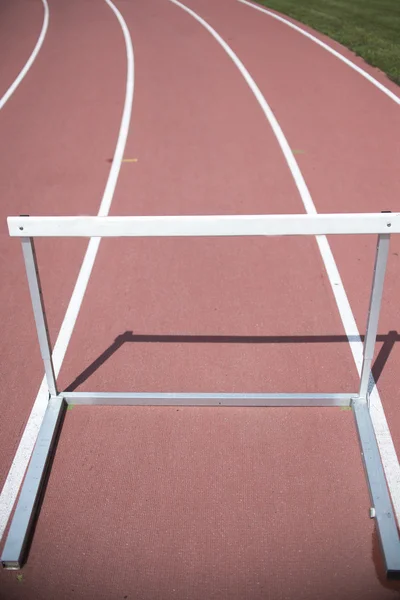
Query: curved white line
{"x": 126, "y": 117}
{"x": 348, "y": 62}
{"x": 385, "y": 442}
{"x": 21, "y": 459}
{"x": 31, "y": 59}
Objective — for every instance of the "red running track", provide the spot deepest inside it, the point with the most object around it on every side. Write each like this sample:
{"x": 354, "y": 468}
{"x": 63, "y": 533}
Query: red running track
{"x": 211, "y": 503}
{"x": 54, "y": 161}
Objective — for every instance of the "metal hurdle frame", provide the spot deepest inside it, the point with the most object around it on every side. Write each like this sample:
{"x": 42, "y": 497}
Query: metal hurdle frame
{"x": 27, "y": 228}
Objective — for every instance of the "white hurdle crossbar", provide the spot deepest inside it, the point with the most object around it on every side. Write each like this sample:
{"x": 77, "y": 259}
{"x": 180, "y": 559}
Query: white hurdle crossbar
{"x": 27, "y": 228}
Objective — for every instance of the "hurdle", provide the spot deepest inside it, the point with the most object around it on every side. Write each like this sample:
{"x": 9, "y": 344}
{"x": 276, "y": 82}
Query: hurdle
{"x": 27, "y": 228}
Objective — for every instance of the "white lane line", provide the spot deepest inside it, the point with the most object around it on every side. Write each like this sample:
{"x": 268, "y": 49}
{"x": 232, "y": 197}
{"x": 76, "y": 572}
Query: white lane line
{"x": 385, "y": 442}
{"x": 31, "y": 59}
{"x": 21, "y": 459}
{"x": 348, "y": 62}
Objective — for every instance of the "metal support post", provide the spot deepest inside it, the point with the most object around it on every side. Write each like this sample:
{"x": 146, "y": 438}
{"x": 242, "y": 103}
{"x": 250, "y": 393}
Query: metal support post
{"x": 35, "y": 289}
{"x": 23, "y": 521}
{"x": 382, "y": 251}
{"x": 379, "y": 493}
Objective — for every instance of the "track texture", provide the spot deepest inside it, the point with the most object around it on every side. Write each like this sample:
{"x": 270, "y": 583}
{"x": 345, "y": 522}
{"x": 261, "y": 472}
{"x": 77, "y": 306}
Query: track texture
{"x": 197, "y": 503}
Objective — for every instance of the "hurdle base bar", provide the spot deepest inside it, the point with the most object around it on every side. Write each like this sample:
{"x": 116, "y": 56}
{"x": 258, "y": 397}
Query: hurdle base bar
{"x": 22, "y": 525}
{"x": 380, "y": 497}
{"x": 23, "y": 522}
{"x": 205, "y": 399}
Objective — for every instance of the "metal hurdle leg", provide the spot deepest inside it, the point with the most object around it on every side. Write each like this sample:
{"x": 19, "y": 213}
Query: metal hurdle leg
{"x": 380, "y": 497}
{"x": 35, "y": 289}
{"x": 382, "y": 251}
{"x": 25, "y": 512}
{"x": 23, "y": 521}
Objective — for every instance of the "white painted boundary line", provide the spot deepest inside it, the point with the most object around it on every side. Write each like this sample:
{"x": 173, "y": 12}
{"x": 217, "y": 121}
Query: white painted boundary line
{"x": 21, "y": 459}
{"x": 348, "y": 62}
{"x": 384, "y": 439}
{"x": 31, "y": 59}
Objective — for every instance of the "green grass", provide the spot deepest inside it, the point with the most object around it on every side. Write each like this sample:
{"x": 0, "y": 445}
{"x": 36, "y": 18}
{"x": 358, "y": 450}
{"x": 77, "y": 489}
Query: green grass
{"x": 371, "y": 28}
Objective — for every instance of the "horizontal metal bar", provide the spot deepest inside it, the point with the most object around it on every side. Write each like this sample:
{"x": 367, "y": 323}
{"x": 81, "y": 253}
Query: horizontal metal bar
{"x": 205, "y": 399}
{"x": 23, "y": 520}
{"x": 204, "y": 225}
{"x": 380, "y": 497}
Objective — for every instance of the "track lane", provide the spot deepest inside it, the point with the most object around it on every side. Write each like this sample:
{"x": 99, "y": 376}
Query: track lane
{"x": 352, "y": 123}
{"x": 21, "y": 38}
{"x": 371, "y": 176}
{"x": 65, "y": 159}
{"x": 336, "y": 184}
{"x": 373, "y": 74}
{"x": 197, "y": 177}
